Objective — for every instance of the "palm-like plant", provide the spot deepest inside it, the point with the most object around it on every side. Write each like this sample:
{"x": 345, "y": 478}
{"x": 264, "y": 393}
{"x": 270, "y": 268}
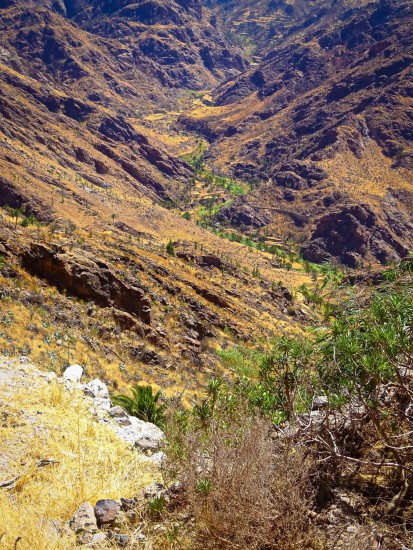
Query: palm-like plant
{"x": 144, "y": 405}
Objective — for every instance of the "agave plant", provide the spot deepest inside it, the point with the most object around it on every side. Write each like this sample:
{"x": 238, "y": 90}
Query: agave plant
{"x": 143, "y": 404}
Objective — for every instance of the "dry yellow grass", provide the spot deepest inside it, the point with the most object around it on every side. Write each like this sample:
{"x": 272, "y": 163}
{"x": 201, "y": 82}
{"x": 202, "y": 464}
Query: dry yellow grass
{"x": 91, "y": 463}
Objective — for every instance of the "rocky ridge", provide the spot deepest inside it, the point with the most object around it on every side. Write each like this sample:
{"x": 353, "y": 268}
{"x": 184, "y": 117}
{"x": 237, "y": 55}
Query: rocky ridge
{"x": 322, "y": 126}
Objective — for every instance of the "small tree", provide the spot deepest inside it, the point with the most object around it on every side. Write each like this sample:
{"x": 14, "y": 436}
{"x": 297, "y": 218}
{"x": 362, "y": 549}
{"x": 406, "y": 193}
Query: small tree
{"x": 16, "y": 212}
{"x": 256, "y": 272}
{"x": 170, "y": 248}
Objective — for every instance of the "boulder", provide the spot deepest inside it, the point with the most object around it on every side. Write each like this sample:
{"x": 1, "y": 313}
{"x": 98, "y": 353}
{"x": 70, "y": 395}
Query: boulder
{"x": 140, "y": 432}
{"x": 73, "y": 374}
{"x": 106, "y": 511}
{"x": 84, "y": 524}
{"x": 99, "y": 392}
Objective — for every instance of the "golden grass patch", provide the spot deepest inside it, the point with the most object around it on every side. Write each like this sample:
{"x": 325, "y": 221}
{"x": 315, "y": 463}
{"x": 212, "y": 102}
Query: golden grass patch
{"x": 90, "y": 463}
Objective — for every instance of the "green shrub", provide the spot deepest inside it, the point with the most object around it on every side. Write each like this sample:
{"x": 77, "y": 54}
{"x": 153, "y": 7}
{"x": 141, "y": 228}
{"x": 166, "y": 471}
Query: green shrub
{"x": 143, "y": 405}
{"x": 170, "y": 248}
{"x": 156, "y": 507}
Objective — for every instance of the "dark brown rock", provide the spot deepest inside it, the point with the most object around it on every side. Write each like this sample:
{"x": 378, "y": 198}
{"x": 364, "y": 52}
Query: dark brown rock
{"x": 88, "y": 278}
{"x": 348, "y": 233}
{"x": 106, "y": 511}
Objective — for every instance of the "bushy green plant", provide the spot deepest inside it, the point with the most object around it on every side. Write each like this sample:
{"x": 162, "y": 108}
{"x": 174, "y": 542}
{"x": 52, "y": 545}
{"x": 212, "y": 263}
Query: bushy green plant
{"x": 242, "y": 360}
{"x": 170, "y": 248}
{"x": 362, "y": 363}
{"x": 143, "y": 404}
{"x": 365, "y": 347}
{"x": 31, "y": 220}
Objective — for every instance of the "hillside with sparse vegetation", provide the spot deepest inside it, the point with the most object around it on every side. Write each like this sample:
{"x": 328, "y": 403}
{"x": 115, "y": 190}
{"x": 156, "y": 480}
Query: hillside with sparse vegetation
{"x": 206, "y": 300}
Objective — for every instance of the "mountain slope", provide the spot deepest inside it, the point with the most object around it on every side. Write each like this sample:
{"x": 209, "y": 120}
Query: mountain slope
{"x": 324, "y": 121}
{"x": 63, "y": 76}
{"x": 266, "y": 24}
{"x": 88, "y": 150}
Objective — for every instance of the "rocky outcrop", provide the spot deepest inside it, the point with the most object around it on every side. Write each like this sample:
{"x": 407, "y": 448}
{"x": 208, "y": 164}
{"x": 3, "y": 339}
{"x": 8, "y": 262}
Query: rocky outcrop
{"x": 137, "y": 433}
{"x": 350, "y": 233}
{"x": 88, "y": 278}
{"x": 140, "y": 434}
{"x": 241, "y": 214}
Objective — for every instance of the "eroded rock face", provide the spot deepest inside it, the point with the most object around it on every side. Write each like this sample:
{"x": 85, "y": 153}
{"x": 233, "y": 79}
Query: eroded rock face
{"x": 87, "y": 278}
{"x": 348, "y": 233}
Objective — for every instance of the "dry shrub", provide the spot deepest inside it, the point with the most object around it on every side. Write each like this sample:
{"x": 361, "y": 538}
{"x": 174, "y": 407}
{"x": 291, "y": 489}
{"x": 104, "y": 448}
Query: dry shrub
{"x": 244, "y": 489}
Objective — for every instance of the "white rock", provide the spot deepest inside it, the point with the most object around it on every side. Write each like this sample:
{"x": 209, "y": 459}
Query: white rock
{"x": 99, "y": 392}
{"x": 140, "y": 431}
{"x": 97, "y": 389}
{"x": 84, "y": 519}
{"x": 158, "y": 458}
{"x": 84, "y": 524}
{"x": 73, "y": 374}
